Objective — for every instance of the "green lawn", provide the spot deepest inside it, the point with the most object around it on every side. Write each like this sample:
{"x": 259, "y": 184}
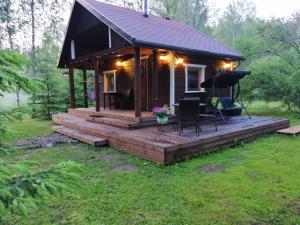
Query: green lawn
{"x": 28, "y": 128}
{"x": 255, "y": 183}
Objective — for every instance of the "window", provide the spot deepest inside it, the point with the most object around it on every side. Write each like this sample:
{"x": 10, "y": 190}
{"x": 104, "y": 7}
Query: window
{"x": 194, "y": 76}
{"x": 109, "y": 81}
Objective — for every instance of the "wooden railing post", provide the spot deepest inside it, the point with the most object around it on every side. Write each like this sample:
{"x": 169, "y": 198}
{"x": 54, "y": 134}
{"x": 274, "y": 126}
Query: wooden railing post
{"x": 137, "y": 82}
{"x": 85, "y": 93}
{"x": 97, "y": 88}
{"x": 155, "y": 78}
{"x": 72, "y": 87}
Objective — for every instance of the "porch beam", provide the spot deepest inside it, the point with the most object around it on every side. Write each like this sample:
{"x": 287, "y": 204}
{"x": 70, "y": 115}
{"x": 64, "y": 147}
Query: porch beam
{"x": 97, "y": 88}
{"x": 137, "y": 82}
{"x": 85, "y": 93}
{"x": 155, "y": 63}
{"x": 72, "y": 87}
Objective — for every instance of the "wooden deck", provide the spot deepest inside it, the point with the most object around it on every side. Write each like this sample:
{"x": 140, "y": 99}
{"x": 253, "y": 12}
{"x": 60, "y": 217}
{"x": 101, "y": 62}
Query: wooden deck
{"x": 168, "y": 147}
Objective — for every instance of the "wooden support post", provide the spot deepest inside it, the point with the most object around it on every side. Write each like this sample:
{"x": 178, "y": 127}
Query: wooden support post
{"x": 137, "y": 82}
{"x": 72, "y": 87}
{"x": 155, "y": 63}
{"x": 97, "y": 88}
{"x": 85, "y": 93}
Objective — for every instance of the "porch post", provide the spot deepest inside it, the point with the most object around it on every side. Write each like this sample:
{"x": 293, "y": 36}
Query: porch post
{"x": 72, "y": 88}
{"x": 172, "y": 82}
{"x": 137, "y": 82}
{"x": 97, "y": 89}
{"x": 155, "y": 78}
{"x": 85, "y": 94}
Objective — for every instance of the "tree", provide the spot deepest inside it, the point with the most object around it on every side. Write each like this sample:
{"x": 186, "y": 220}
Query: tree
{"x": 282, "y": 39}
{"x": 167, "y": 8}
{"x": 11, "y": 66}
{"x": 42, "y": 14}
{"x": 6, "y": 17}
{"x": 53, "y": 99}
{"x": 21, "y": 188}
{"x": 232, "y": 23}
{"x": 192, "y": 12}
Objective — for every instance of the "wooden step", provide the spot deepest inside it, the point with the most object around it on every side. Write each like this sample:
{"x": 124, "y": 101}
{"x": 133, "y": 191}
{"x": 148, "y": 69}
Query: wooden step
{"x": 81, "y": 136}
{"x": 124, "y": 123}
{"x": 81, "y": 112}
{"x": 112, "y": 121}
{"x": 115, "y": 115}
{"x": 290, "y": 131}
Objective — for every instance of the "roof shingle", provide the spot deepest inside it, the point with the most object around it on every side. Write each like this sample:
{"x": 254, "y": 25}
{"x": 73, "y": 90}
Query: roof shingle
{"x": 159, "y": 31}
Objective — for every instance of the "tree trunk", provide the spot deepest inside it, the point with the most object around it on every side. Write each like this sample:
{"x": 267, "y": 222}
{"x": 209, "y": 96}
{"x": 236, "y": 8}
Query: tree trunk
{"x": 18, "y": 96}
{"x": 11, "y": 46}
{"x": 33, "y": 61}
{"x": 32, "y": 9}
{"x": 48, "y": 96}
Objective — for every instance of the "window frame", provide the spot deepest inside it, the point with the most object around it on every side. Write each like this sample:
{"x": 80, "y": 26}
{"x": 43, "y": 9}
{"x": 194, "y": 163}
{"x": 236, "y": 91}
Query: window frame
{"x": 104, "y": 81}
{"x": 201, "y": 79}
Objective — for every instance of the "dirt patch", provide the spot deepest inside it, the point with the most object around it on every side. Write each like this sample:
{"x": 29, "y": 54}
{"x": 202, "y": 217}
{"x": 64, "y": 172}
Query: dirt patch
{"x": 213, "y": 168}
{"x": 116, "y": 161}
{"x": 295, "y": 206}
{"x": 48, "y": 141}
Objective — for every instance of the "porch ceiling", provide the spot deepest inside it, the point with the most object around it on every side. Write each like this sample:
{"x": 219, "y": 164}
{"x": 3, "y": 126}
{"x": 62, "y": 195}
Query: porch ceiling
{"x": 87, "y": 61}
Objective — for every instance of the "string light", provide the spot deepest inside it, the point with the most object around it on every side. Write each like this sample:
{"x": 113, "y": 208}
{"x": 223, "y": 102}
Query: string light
{"x": 179, "y": 61}
{"x": 227, "y": 66}
{"x": 163, "y": 57}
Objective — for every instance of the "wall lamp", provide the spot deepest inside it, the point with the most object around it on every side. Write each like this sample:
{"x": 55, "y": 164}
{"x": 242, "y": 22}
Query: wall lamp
{"x": 167, "y": 58}
{"x": 119, "y": 63}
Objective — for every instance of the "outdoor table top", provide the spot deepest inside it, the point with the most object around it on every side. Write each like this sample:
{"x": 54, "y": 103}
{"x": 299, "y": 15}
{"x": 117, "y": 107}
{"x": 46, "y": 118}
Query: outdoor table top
{"x": 200, "y": 104}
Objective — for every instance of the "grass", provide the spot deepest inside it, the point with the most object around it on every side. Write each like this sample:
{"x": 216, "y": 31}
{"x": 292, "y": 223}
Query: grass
{"x": 255, "y": 183}
{"x": 27, "y": 128}
{"x": 274, "y": 109}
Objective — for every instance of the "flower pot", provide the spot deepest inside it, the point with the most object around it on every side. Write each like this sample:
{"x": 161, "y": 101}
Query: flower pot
{"x": 162, "y": 120}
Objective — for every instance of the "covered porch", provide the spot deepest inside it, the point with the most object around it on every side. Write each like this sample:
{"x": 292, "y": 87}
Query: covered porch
{"x": 124, "y": 80}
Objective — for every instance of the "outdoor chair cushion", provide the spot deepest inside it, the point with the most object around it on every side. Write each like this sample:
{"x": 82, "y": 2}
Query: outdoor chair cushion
{"x": 229, "y": 108}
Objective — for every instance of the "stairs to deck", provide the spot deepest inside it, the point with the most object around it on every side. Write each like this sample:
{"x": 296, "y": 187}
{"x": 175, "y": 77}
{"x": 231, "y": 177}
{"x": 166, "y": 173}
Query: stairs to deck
{"x": 114, "y": 122}
{"x": 117, "y": 118}
{"x": 81, "y": 136}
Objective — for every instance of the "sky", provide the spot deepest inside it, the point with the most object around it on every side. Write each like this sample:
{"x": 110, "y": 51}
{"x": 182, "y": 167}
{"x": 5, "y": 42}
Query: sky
{"x": 268, "y": 8}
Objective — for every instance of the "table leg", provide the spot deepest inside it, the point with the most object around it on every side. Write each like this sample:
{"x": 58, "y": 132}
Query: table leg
{"x": 104, "y": 104}
{"x": 109, "y": 99}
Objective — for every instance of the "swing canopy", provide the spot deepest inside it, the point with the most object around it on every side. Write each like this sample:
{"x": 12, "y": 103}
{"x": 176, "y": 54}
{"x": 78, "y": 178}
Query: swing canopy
{"x": 225, "y": 79}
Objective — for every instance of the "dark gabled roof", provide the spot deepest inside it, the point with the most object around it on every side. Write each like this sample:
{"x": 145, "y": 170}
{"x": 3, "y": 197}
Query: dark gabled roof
{"x": 157, "y": 31}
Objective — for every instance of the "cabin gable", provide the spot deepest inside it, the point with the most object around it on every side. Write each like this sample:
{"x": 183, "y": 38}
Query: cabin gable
{"x": 89, "y": 35}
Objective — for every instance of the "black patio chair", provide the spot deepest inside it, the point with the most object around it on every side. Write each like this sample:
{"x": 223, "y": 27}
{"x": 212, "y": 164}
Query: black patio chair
{"x": 189, "y": 111}
{"x": 125, "y": 99}
{"x": 229, "y": 108}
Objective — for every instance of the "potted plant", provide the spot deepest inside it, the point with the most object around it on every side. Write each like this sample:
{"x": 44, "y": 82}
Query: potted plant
{"x": 162, "y": 114}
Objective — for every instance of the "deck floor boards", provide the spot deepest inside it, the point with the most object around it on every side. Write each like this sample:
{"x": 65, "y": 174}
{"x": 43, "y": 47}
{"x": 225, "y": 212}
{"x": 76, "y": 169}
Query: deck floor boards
{"x": 169, "y": 147}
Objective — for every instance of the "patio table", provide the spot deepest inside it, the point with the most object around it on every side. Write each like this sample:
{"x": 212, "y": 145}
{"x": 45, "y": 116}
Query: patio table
{"x": 200, "y": 104}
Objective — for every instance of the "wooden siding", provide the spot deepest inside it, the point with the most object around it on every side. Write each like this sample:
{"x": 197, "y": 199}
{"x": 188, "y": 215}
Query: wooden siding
{"x": 125, "y": 79}
{"x": 117, "y": 41}
{"x": 163, "y": 84}
{"x": 210, "y": 70}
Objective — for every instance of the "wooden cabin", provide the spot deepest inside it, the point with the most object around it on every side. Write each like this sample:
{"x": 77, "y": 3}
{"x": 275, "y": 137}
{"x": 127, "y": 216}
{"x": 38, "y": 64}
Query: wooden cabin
{"x": 141, "y": 61}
